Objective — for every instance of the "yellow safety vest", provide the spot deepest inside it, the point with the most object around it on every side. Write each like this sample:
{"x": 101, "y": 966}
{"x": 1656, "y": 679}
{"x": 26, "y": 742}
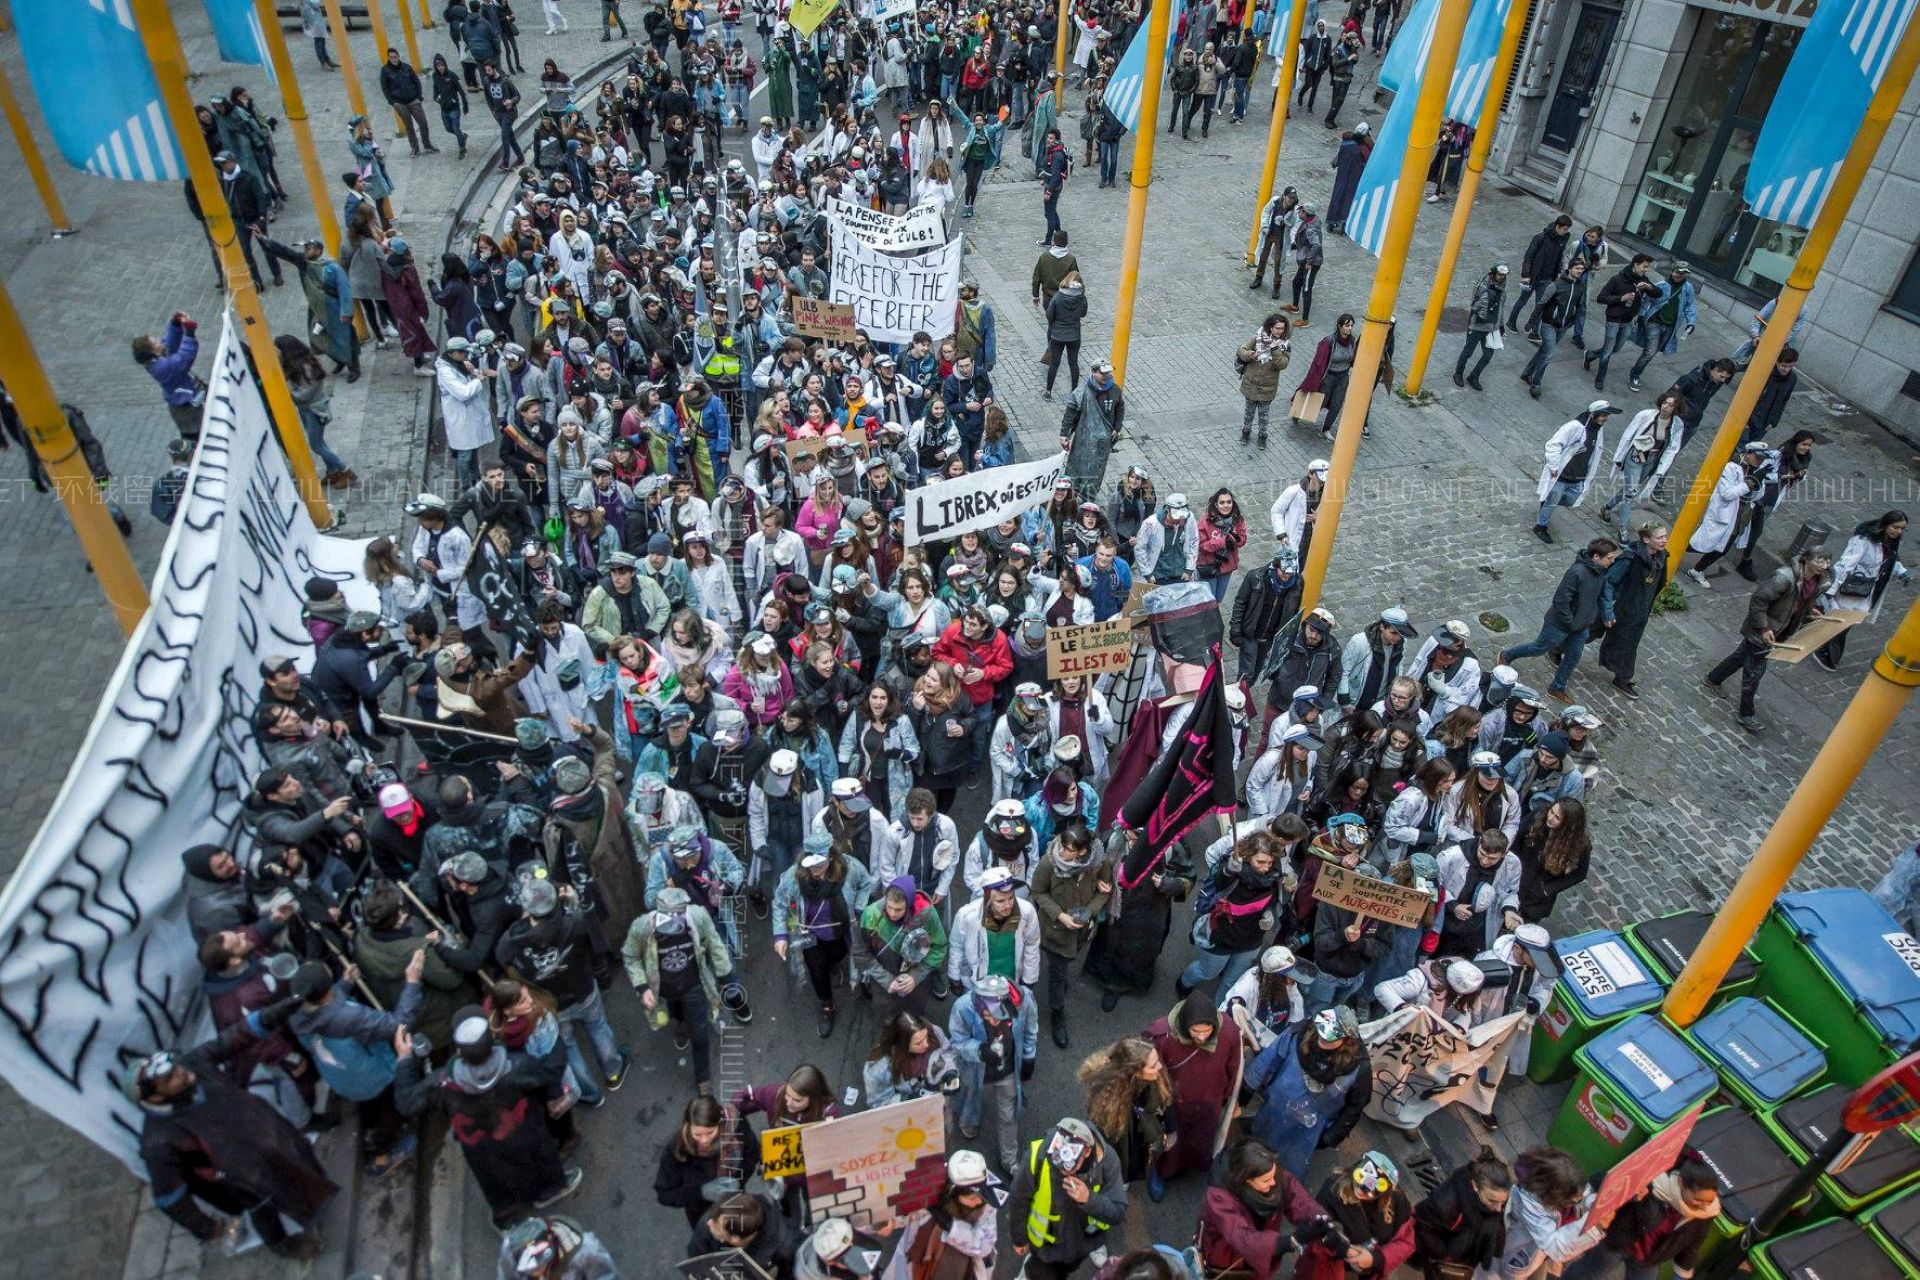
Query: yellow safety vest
{"x": 1040, "y": 1215}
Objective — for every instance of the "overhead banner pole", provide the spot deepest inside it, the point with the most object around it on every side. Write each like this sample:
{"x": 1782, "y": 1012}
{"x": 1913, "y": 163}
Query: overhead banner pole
{"x": 1428, "y": 110}
{"x": 1146, "y": 131}
{"x": 293, "y": 99}
{"x": 1060, "y": 56}
{"x": 1277, "y": 127}
{"x": 36, "y": 164}
{"x": 337, "y": 24}
{"x": 1469, "y": 188}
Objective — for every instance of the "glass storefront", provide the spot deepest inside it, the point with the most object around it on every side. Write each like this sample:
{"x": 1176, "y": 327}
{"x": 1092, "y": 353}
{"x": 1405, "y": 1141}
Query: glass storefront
{"x": 1689, "y": 201}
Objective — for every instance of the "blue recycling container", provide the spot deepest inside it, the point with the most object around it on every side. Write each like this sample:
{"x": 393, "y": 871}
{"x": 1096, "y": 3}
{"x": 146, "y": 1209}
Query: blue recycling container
{"x": 1634, "y": 1079}
{"x": 1602, "y": 980}
{"x": 1763, "y": 1056}
{"x": 1835, "y": 960}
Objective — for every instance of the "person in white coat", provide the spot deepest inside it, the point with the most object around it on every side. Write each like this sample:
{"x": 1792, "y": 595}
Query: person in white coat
{"x": 965, "y": 1219}
{"x": 998, "y": 910}
{"x": 767, "y": 144}
{"x": 784, "y": 801}
{"x": 847, "y": 813}
{"x": 570, "y": 250}
{"x": 1167, "y": 548}
{"x": 1479, "y": 894}
{"x": 1446, "y": 671}
{"x": 1007, "y": 839}
{"x": 654, "y": 809}
{"x": 1373, "y": 657}
{"x": 1269, "y": 997}
{"x": 1294, "y": 507}
{"x": 1449, "y": 989}
{"x": 1573, "y": 458}
{"x": 440, "y": 552}
{"x": 712, "y": 579}
{"x": 1647, "y": 448}
{"x": 1281, "y": 780}
{"x": 929, "y": 846}
{"x": 1075, "y": 697}
{"x": 1720, "y": 526}
{"x": 557, "y": 687}
{"x": 1861, "y": 574}
{"x": 464, "y": 409}
{"x": 1546, "y": 1216}
{"x": 1481, "y": 800}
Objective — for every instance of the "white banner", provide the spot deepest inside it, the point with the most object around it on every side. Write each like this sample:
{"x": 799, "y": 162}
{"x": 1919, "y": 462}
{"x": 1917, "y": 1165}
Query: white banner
{"x": 885, "y": 10}
{"x": 980, "y": 499}
{"x": 918, "y": 229}
{"x": 1420, "y": 1063}
{"x": 98, "y": 968}
{"x": 895, "y": 298}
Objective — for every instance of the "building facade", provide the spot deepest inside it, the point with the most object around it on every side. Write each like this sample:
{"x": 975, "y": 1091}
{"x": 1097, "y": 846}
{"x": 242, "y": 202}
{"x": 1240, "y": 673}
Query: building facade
{"x": 1641, "y": 115}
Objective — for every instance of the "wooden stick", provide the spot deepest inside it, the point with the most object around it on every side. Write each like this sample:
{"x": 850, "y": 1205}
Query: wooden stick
{"x": 448, "y": 728}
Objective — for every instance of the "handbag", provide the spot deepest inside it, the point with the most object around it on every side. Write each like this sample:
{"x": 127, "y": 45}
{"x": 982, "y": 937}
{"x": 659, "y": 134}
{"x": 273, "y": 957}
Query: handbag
{"x": 1495, "y": 342}
{"x": 1859, "y": 584}
{"x": 1307, "y": 405}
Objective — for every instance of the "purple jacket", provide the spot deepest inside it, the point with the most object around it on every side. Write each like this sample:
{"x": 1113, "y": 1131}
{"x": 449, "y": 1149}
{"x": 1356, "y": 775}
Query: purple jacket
{"x": 174, "y": 370}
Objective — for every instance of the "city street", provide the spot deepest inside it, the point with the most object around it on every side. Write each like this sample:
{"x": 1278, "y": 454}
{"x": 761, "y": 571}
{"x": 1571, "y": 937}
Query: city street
{"x": 1438, "y": 521}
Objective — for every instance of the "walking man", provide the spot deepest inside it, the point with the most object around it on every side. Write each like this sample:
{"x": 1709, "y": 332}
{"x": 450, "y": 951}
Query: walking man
{"x": 1559, "y": 307}
{"x": 1571, "y": 457}
{"x": 1483, "y": 321}
{"x": 400, "y": 86}
{"x": 1775, "y": 611}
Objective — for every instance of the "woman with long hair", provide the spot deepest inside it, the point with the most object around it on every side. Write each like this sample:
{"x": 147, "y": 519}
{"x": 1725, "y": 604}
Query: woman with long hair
{"x": 1408, "y": 824}
{"x": 700, "y": 1150}
{"x": 910, "y": 1059}
{"x": 804, "y": 1097}
{"x": 1130, "y": 1101}
{"x": 460, "y": 313}
{"x": 1546, "y": 1214}
{"x": 879, "y": 747}
{"x": 1223, "y": 531}
{"x": 694, "y": 641}
{"x": 943, "y": 719}
{"x": 1365, "y": 1202}
{"x": 636, "y": 675}
{"x": 401, "y": 589}
{"x": 1249, "y": 1219}
{"x": 1554, "y": 851}
{"x": 1281, "y": 780}
{"x": 307, "y": 381}
{"x": 586, "y": 539}
{"x": 1461, "y": 1229}
{"x": 1861, "y": 574}
{"x": 759, "y": 681}
{"x": 1456, "y": 737}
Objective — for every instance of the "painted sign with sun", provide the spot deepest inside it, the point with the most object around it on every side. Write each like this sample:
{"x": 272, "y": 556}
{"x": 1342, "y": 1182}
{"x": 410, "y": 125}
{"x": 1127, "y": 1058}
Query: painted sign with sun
{"x": 877, "y": 1165}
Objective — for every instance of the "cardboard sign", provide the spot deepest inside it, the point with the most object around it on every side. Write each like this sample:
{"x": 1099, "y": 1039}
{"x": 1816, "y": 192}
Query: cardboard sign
{"x": 781, "y": 1153}
{"x": 1090, "y": 650}
{"x": 1363, "y": 895}
{"x": 1815, "y": 632}
{"x": 919, "y": 228}
{"x": 879, "y": 1165}
{"x": 980, "y": 499}
{"x": 808, "y": 446}
{"x": 894, "y": 298}
{"x": 819, "y": 318}
{"x": 1637, "y": 1169}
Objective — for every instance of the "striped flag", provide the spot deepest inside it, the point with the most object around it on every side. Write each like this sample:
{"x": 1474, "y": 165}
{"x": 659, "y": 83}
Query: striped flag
{"x": 236, "y": 30}
{"x": 1129, "y": 77}
{"x": 1823, "y": 97}
{"x": 96, "y": 89}
{"x": 1405, "y": 63}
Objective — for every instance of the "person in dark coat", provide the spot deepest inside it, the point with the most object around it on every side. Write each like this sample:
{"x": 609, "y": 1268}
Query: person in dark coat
{"x": 1201, "y": 1053}
{"x": 755, "y": 1226}
{"x": 1254, "y": 1214}
{"x": 1348, "y": 162}
{"x": 1122, "y": 954}
{"x": 204, "y": 1138}
{"x": 495, "y": 1103}
{"x": 1697, "y": 390}
{"x": 1774, "y": 394}
{"x": 1540, "y": 267}
{"x": 1265, "y": 601}
{"x": 1633, "y": 583}
{"x": 343, "y": 681}
{"x": 1462, "y": 1226}
{"x": 692, "y": 1171}
{"x": 1574, "y": 611}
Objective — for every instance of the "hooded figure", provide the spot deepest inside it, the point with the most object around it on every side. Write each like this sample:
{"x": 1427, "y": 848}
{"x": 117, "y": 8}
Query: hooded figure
{"x": 1090, "y": 426}
{"x": 1201, "y": 1052}
{"x": 586, "y": 842}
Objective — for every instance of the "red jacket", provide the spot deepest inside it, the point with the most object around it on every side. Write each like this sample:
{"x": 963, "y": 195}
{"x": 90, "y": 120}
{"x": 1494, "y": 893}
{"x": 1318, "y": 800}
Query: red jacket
{"x": 1231, "y": 1237}
{"x": 992, "y": 655}
{"x": 1220, "y": 548}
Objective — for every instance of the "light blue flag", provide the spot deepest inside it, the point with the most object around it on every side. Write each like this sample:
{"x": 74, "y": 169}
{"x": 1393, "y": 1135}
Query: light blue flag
{"x": 236, "y": 30}
{"x": 1823, "y": 97}
{"x": 96, "y": 88}
{"x": 1129, "y": 79}
{"x": 1466, "y": 95}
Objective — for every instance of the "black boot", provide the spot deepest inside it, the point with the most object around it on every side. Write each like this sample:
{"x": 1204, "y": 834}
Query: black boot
{"x": 827, "y": 1012}
{"x": 1060, "y": 1028}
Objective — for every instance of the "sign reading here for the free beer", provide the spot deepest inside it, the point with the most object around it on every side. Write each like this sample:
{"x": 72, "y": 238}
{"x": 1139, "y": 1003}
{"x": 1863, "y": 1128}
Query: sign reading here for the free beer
{"x": 1091, "y": 649}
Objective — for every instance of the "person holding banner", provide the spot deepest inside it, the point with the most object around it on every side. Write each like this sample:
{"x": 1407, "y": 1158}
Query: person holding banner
{"x": 1668, "y": 1224}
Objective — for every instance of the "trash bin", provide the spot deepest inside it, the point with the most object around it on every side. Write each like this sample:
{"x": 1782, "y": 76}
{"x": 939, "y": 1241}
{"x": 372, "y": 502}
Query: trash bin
{"x": 1832, "y": 1250}
{"x": 1632, "y": 1081}
{"x": 1834, "y": 959}
{"x": 1892, "y": 1161}
{"x": 1667, "y": 942}
{"x": 1749, "y": 1165}
{"x": 1763, "y": 1056}
{"x": 1601, "y": 981}
{"x": 1813, "y": 533}
{"x": 1895, "y": 1224}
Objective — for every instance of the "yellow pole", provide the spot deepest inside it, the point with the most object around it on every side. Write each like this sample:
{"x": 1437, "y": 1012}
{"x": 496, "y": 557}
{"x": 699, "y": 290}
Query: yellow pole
{"x": 1855, "y": 738}
{"x": 36, "y": 166}
{"x": 426, "y": 13}
{"x": 1146, "y": 131}
{"x": 406, "y": 30}
{"x": 295, "y": 104}
{"x": 1427, "y": 112}
{"x": 1277, "y": 127}
{"x": 337, "y": 24}
{"x": 1246, "y": 16}
{"x": 1060, "y": 58}
{"x": 170, "y": 71}
{"x": 67, "y": 471}
{"x": 1786, "y": 308}
{"x": 1469, "y": 188}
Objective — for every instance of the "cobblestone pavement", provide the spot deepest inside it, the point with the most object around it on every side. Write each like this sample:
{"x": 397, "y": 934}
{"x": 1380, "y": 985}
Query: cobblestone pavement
{"x": 1438, "y": 522}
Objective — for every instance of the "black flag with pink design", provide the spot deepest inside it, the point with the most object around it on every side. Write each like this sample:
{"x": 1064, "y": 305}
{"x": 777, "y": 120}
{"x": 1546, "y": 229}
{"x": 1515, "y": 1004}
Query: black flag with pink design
{"x": 1190, "y": 781}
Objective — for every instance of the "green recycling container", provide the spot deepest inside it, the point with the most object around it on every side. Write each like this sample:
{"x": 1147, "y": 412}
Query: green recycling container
{"x": 1834, "y": 960}
{"x": 1749, "y": 1165}
{"x": 1600, "y": 982}
{"x": 1892, "y": 1162}
{"x": 1667, "y": 942}
{"x": 1836, "y": 1249}
{"x": 1895, "y": 1224}
{"x": 1763, "y": 1056}
{"x": 1632, "y": 1080}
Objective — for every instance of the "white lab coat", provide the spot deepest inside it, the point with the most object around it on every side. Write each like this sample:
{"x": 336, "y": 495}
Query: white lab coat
{"x": 1152, "y": 539}
{"x": 883, "y": 851}
{"x": 1268, "y": 792}
{"x": 967, "y": 944}
{"x": 1499, "y": 895}
{"x": 1289, "y": 514}
{"x": 1723, "y": 510}
{"x": 456, "y": 548}
{"x": 1463, "y": 681}
{"x": 1865, "y": 555}
{"x": 976, "y": 859}
{"x": 463, "y": 407}
{"x": 1245, "y": 994}
{"x": 1560, "y": 451}
{"x": 1676, "y": 436}
{"x": 573, "y": 258}
{"x": 1099, "y": 725}
{"x": 713, "y": 586}
{"x": 766, "y": 151}
{"x": 812, "y": 801}
{"x": 541, "y": 686}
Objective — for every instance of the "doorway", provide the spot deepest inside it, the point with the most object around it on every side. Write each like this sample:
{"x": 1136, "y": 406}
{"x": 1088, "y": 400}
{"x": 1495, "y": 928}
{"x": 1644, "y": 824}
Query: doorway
{"x": 1580, "y": 72}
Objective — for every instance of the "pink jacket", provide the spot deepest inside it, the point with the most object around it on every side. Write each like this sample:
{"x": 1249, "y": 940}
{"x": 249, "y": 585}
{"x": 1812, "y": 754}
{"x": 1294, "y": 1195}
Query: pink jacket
{"x": 816, "y": 526}
{"x": 735, "y": 686}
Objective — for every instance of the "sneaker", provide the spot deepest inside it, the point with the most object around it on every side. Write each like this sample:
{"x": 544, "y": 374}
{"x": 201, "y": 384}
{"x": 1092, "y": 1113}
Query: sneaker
{"x": 1533, "y": 391}
{"x": 1706, "y": 682}
{"x": 618, "y": 1076}
{"x": 575, "y": 1176}
{"x": 1586, "y": 361}
{"x": 1042, "y": 242}
{"x": 1246, "y": 434}
{"x": 1491, "y": 1121}
{"x": 1579, "y": 342}
{"x": 1633, "y": 384}
{"x": 1749, "y": 723}
{"x": 940, "y": 988}
{"x": 758, "y": 902}
{"x": 1473, "y": 380}
{"x": 1626, "y": 687}
{"x": 1541, "y": 532}
{"x": 1826, "y": 663}
{"x": 1263, "y": 440}
{"x": 1156, "y": 1185}
{"x": 1599, "y": 384}
{"x": 1060, "y": 1028}
{"x": 1047, "y": 396}
{"x": 1700, "y": 578}
{"x": 1302, "y": 323}
{"x": 827, "y": 1013}
{"x": 1559, "y": 695}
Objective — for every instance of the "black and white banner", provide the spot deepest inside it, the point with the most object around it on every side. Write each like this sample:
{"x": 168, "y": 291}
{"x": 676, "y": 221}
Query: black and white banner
{"x": 895, "y": 298}
{"x": 980, "y": 499}
{"x": 919, "y": 228}
{"x": 97, "y": 968}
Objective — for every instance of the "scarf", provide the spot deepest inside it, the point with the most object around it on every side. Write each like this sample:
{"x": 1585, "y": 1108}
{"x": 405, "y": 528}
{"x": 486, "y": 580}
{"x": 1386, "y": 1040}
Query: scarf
{"x": 472, "y": 1079}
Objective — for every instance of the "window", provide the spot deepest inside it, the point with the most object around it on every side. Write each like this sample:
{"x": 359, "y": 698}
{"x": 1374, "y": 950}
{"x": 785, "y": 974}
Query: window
{"x": 1905, "y": 301}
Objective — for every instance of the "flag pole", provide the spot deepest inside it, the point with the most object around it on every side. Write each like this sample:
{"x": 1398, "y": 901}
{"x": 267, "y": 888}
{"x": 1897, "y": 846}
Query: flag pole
{"x": 426, "y": 14}
{"x": 406, "y": 31}
{"x": 1146, "y": 131}
{"x": 1806, "y": 269}
{"x": 337, "y": 24}
{"x": 295, "y": 103}
{"x": 170, "y": 72}
{"x": 67, "y": 470}
{"x": 1428, "y": 109}
{"x": 1060, "y": 58}
{"x": 1277, "y": 127}
{"x": 36, "y": 165}
{"x": 1469, "y": 188}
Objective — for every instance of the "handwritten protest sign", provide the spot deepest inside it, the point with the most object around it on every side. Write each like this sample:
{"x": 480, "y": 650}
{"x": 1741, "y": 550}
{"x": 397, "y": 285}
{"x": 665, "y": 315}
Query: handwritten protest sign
{"x": 1381, "y": 899}
{"x": 895, "y": 298}
{"x": 1089, "y": 650}
{"x": 781, "y": 1151}
{"x": 886, "y": 10}
{"x": 807, "y": 446}
{"x": 819, "y": 318}
{"x": 1421, "y": 1063}
{"x": 1636, "y": 1170}
{"x": 878, "y": 1165}
{"x": 920, "y": 227}
{"x": 979, "y": 499}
